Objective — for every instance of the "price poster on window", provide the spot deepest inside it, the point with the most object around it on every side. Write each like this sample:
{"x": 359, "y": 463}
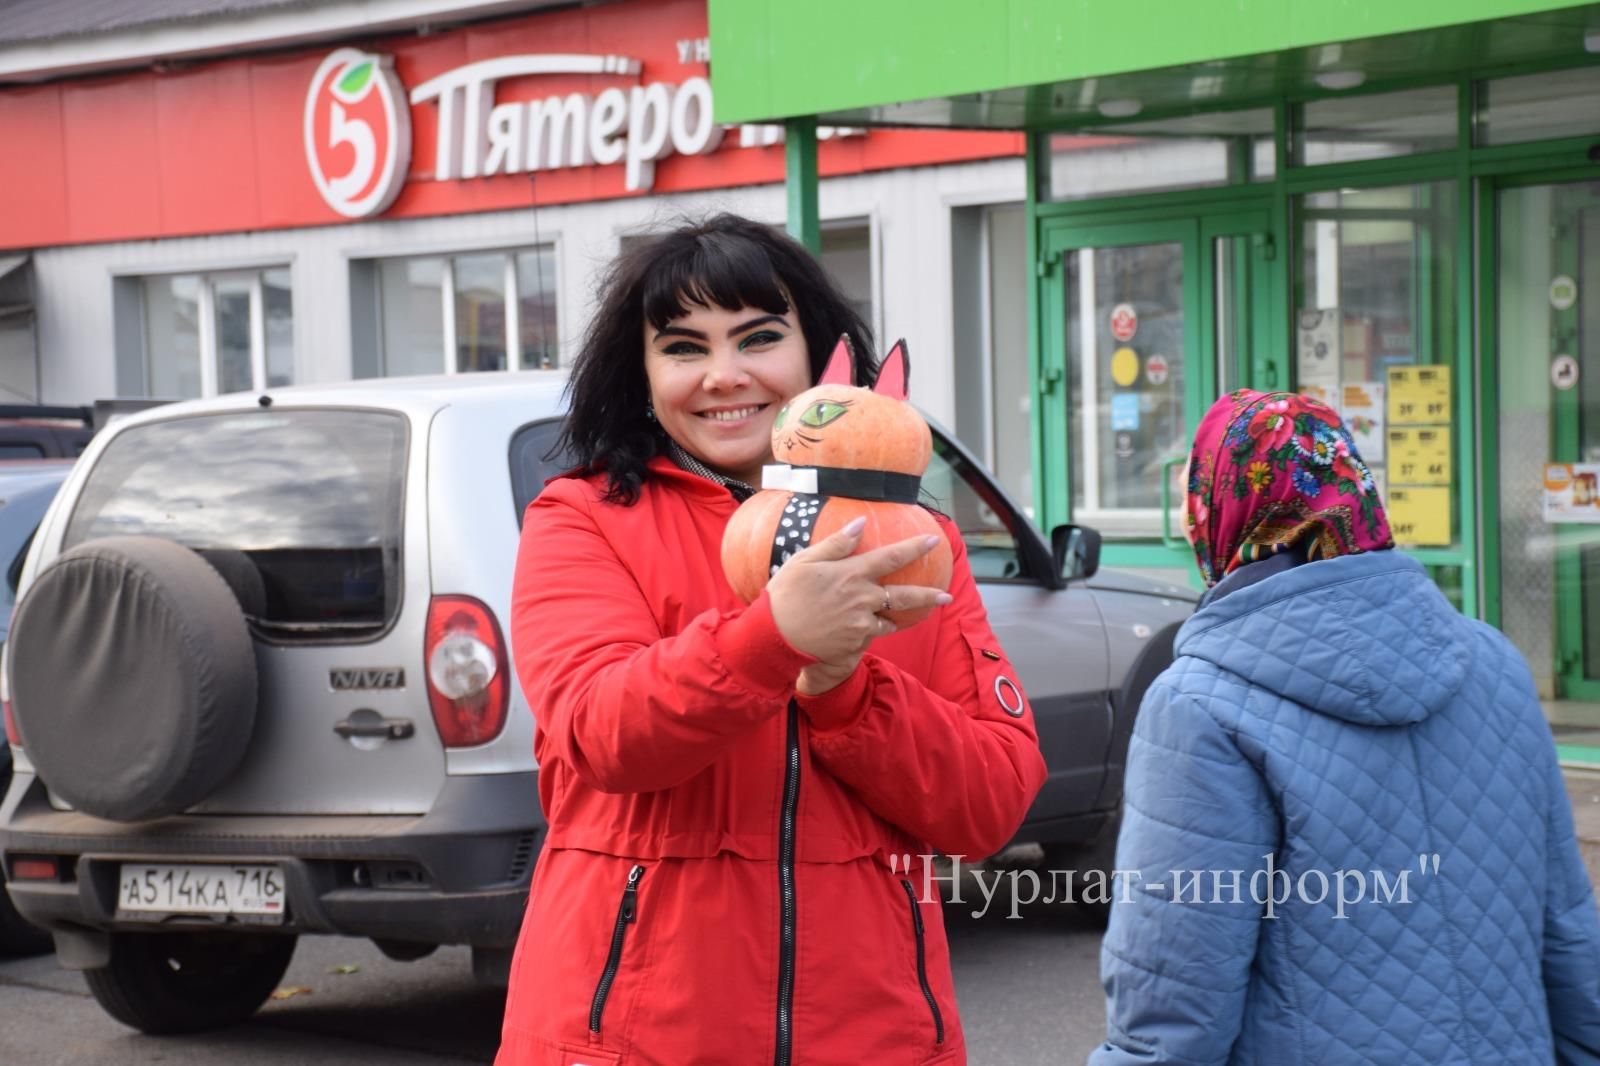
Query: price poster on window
{"x": 1361, "y": 405}
{"x": 1419, "y": 516}
{"x": 1572, "y": 492}
{"x": 1419, "y": 395}
{"x": 1419, "y": 455}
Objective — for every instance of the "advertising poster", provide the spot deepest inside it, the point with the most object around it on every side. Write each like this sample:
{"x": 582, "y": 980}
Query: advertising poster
{"x": 1361, "y": 407}
{"x": 1124, "y": 411}
{"x": 1419, "y": 515}
{"x": 1419, "y": 455}
{"x": 1572, "y": 492}
{"x": 1419, "y": 395}
{"x": 1318, "y": 353}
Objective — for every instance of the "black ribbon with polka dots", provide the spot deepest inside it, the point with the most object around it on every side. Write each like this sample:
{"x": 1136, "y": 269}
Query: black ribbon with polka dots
{"x": 799, "y": 518}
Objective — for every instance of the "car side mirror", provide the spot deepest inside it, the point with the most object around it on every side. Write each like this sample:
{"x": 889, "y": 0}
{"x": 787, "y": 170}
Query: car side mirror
{"x": 1076, "y": 550}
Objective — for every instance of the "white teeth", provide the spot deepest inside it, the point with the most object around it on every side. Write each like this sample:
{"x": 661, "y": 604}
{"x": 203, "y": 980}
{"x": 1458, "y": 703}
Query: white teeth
{"x": 731, "y": 416}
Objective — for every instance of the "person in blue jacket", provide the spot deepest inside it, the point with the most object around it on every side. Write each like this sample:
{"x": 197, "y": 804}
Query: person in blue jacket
{"x": 1346, "y": 838}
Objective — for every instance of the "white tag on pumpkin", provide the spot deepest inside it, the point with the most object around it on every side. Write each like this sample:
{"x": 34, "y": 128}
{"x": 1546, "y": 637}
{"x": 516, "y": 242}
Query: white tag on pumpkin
{"x": 786, "y": 478}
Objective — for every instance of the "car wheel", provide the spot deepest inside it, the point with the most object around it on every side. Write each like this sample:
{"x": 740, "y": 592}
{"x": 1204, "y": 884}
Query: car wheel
{"x": 1099, "y": 856}
{"x": 133, "y": 677}
{"x": 188, "y": 982}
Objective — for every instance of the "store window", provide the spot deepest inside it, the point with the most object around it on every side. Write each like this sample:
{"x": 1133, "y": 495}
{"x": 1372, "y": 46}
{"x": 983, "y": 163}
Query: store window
{"x": 19, "y": 354}
{"x": 1346, "y": 129}
{"x": 994, "y": 384}
{"x": 1125, "y": 416}
{"x": 847, "y": 257}
{"x": 208, "y": 334}
{"x": 1534, "y": 107}
{"x": 1547, "y": 406}
{"x": 1162, "y": 155}
{"x": 455, "y": 314}
{"x": 1376, "y": 337}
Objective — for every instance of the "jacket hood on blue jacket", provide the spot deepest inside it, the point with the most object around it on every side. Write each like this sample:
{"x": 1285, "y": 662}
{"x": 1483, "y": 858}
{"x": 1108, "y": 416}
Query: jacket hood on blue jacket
{"x": 1373, "y": 640}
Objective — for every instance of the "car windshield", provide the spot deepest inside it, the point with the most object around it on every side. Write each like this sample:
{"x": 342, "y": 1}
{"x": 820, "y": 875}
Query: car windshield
{"x": 312, "y": 497}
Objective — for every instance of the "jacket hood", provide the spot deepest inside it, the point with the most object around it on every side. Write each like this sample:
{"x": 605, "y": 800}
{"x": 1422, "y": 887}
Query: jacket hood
{"x": 1366, "y": 638}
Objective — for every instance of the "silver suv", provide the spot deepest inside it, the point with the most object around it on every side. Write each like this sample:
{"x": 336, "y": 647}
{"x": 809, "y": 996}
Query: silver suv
{"x": 258, "y": 683}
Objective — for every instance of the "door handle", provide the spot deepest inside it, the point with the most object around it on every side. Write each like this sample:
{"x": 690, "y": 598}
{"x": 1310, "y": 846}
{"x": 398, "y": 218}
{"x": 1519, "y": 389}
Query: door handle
{"x": 369, "y": 724}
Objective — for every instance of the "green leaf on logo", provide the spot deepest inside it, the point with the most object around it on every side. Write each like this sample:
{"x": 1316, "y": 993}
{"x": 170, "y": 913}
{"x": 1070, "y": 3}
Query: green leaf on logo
{"x": 356, "y": 78}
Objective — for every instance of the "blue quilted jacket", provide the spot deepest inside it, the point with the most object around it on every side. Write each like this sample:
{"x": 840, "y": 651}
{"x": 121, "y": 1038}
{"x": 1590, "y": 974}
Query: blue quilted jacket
{"x": 1325, "y": 730}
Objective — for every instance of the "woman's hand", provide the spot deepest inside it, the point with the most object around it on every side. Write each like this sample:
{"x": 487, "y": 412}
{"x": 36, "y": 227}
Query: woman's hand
{"x": 828, "y": 604}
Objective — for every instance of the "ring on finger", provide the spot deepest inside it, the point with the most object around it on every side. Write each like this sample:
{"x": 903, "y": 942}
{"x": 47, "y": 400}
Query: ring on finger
{"x": 888, "y": 604}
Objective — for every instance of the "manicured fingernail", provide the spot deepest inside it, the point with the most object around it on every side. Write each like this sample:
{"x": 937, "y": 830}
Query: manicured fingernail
{"x": 944, "y": 598}
{"x": 931, "y": 541}
{"x": 855, "y": 526}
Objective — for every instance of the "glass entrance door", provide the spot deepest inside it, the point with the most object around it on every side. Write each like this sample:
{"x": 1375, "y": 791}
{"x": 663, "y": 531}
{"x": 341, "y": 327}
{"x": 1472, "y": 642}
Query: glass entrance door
{"x": 1548, "y": 324}
{"x": 1150, "y": 322}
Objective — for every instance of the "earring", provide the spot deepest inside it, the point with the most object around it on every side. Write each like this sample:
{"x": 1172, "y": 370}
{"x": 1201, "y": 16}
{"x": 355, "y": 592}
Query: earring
{"x": 650, "y": 412}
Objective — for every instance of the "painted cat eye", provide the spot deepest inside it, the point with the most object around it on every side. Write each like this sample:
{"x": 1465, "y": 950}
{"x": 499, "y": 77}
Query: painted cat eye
{"x": 783, "y": 412}
{"x": 821, "y": 413}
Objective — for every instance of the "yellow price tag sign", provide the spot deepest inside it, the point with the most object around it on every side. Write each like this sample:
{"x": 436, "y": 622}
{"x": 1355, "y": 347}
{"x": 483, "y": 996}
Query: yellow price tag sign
{"x": 1419, "y": 395}
{"x": 1419, "y": 455}
{"x": 1419, "y": 516}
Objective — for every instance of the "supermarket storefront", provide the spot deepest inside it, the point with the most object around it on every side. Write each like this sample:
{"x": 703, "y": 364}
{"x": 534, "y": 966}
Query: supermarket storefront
{"x": 1393, "y": 205}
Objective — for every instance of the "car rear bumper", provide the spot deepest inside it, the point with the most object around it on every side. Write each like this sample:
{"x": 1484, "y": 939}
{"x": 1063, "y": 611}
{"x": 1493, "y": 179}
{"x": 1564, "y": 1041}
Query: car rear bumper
{"x": 458, "y": 875}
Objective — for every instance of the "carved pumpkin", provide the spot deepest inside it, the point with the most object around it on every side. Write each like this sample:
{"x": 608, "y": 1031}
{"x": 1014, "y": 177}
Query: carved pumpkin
{"x": 846, "y": 451}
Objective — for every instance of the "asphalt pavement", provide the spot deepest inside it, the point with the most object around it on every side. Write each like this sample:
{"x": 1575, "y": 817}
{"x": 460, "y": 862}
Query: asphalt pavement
{"x": 1028, "y": 990}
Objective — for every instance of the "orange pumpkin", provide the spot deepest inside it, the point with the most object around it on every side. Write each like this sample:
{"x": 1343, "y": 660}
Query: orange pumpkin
{"x": 845, "y": 452}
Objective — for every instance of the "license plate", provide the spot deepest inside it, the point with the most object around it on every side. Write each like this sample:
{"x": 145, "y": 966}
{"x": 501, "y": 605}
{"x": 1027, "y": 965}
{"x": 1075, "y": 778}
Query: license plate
{"x": 255, "y": 892}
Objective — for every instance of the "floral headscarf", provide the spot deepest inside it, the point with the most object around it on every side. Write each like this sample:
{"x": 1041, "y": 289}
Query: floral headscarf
{"x": 1272, "y": 470}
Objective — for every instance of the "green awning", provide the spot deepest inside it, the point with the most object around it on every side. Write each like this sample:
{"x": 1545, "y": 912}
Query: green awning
{"x": 1020, "y": 64}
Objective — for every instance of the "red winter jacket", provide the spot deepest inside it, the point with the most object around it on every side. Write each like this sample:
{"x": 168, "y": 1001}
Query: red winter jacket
{"x": 716, "y": 886}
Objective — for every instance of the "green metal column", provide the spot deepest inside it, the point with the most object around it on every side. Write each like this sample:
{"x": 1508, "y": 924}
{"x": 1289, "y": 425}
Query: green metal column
{"x": 800, "y": 182}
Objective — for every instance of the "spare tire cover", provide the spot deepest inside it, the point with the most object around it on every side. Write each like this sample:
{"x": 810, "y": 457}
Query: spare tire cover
{"x": 133, "y": 677}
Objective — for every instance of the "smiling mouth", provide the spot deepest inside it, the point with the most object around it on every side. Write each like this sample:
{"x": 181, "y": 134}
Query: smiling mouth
{"x": 736, "y": 414}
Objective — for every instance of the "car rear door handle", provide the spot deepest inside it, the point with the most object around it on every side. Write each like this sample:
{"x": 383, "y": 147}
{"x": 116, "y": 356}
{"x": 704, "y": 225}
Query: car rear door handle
{"x": 368, "y": 724}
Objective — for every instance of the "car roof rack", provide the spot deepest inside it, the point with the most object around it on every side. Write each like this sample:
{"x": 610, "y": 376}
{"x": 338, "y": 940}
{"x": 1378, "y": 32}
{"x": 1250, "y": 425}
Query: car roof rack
{"x": 33, "y": 410}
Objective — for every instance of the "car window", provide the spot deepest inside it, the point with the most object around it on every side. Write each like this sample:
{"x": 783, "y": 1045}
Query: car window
{"x": 312, "y": 497}
{"x": 962, "y": 491}
{"x": 21, "y": 450}
{"x": 533, "y": 461}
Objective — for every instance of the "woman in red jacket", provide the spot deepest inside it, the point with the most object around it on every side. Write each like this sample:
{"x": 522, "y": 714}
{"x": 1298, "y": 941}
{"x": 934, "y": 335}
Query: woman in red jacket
{"x": 731, "y": 790}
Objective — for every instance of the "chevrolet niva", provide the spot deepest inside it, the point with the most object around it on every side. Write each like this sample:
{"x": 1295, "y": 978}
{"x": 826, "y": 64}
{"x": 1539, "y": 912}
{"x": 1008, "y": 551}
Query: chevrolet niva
{"x": 257, "y": 685}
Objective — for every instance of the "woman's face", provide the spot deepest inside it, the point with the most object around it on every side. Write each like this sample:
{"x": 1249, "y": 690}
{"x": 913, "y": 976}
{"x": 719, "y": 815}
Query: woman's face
{"x": 717, "y": 379}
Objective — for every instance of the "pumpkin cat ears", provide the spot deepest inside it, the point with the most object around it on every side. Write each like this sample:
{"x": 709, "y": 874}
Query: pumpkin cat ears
{"x": 893, "y": 373}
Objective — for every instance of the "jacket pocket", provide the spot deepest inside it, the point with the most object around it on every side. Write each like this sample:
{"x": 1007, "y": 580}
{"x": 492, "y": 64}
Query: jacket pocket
{"x": 922, "y": 962}
{"x": 627, "y": 914}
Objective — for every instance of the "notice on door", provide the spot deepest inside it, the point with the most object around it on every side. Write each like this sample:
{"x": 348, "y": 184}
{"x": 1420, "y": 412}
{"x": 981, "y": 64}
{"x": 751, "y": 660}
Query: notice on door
{"x": 1572, "y": 492}
{"x": 1419, "y": 516}
{"x": 1419, "y": 455}
{"x": 1419, "y": 395}
{"x": 1318, "y": 353}
{"x": 1364, "y": 416}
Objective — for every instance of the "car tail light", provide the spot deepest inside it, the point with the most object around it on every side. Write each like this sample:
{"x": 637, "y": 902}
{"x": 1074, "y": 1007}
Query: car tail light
{"x": 12, "y": 736}
{"x": 40, "y": 869}
{"x": 469, "y": 683}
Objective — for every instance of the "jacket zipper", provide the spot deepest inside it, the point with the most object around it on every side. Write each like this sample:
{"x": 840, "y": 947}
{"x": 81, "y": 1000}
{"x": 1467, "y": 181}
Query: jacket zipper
{"x": 627, "y": 913}
{"x": 922, "y": 963}
{"x": 786, "y": 935}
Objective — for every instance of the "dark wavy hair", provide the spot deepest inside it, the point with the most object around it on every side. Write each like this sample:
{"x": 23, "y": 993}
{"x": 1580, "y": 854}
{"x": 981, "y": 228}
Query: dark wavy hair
{"x": 725, "y": 261}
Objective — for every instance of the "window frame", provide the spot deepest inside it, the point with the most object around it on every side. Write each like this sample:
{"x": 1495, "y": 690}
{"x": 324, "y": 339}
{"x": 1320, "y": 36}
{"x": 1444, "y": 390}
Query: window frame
{"x": 516, "y": 358}
{"x": 206, "y": 324}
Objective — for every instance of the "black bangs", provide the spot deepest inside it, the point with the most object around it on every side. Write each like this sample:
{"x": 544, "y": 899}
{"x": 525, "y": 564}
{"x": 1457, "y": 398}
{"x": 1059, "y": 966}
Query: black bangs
{"x": 726, "y": 270}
